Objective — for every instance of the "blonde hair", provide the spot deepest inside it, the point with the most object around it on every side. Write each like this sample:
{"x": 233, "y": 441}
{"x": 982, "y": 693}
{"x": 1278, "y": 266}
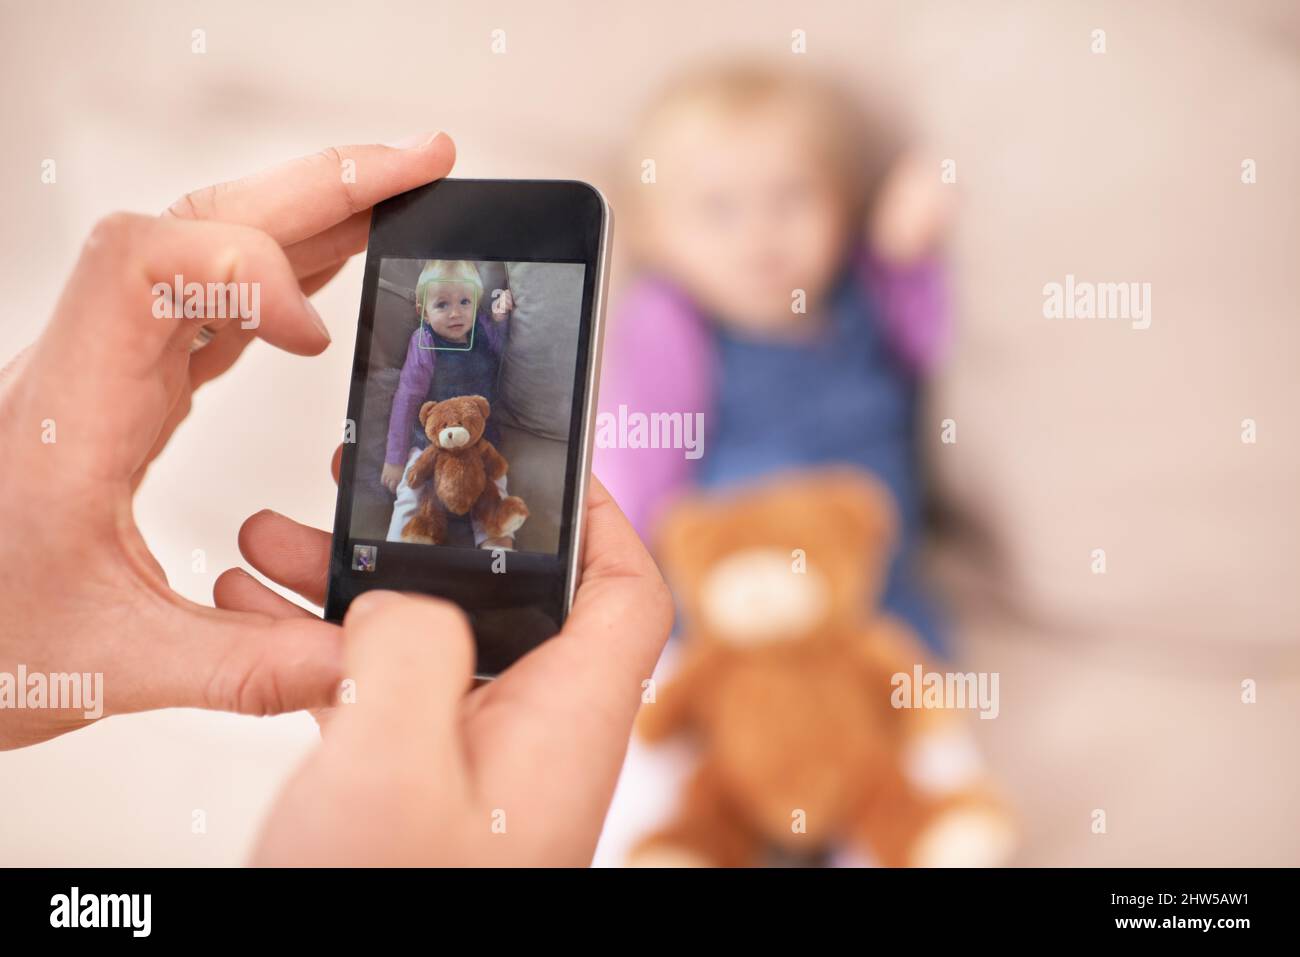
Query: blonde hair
{"x": 447, "y": 270}
{"x": 857, "y": 146}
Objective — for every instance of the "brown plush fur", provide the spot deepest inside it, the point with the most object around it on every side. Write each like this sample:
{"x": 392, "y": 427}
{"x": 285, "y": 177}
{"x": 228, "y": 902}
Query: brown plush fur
{"x": 460, "y": 480}
{"x": 801, "y": 722}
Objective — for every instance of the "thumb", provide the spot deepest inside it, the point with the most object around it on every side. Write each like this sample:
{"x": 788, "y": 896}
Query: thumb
{"x": 408, "y": 662}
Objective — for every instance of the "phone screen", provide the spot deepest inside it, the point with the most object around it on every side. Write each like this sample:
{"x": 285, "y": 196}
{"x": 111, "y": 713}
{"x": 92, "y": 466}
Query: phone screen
{"x": 468, "y": 436}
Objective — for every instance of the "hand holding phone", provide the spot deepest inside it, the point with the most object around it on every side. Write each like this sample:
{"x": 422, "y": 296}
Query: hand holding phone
{"x": 83, "y": 588}
{"x": 518, "y": 771}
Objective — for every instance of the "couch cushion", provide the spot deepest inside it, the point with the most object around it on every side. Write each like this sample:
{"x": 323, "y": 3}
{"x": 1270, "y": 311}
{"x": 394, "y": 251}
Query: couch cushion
{"x": 536, "y": 385}
{"x": 537, "y": 476}
{"x": 395, "y": 315}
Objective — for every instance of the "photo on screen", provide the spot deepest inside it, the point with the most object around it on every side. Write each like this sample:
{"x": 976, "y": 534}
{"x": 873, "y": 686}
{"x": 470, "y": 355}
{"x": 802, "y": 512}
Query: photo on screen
{"x": 463, "y": 439}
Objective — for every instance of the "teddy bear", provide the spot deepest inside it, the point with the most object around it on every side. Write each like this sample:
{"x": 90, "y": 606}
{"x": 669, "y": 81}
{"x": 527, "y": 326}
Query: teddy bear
{"x": 458, "y": 473}
{"x": 787, "y": 683}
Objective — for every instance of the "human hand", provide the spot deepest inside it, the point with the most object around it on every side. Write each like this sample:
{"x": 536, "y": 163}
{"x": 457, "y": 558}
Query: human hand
{"x": 422, "y": 770}
{"x": 912, "y": 213}
{"x": 502, "y": 304}
{"x": 86, "y": 409}
{"x": 391, "y": 476}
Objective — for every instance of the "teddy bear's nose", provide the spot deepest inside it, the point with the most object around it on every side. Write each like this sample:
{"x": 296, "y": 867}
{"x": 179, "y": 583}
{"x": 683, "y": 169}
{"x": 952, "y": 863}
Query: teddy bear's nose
{"x": 453, "y": 437}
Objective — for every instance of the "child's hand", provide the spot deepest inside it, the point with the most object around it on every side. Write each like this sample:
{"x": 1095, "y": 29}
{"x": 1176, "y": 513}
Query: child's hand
{"x": 912, "y": 212}
{"x": 391, "y": 476}
{"x": 502, "y": 304}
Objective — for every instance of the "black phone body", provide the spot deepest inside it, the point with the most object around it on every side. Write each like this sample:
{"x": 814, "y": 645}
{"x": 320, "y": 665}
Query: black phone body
{"x": 433, "y": 327}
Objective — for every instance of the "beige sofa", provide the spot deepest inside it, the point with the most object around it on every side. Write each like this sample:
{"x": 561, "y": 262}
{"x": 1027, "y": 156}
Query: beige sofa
{"x": 1120, "y": 691}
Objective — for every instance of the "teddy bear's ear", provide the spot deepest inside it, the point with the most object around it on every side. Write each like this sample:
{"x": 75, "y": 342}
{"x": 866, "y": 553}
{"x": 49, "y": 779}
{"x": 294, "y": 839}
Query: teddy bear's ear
{"x": 681, "y": 536}
{"x": 425, "y": 411}
{"x": 484, "y": 407}
{"x": 862, "y": 504}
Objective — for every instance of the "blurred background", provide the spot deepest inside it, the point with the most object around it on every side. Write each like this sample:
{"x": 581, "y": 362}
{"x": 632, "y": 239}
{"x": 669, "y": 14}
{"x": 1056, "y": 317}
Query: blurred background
{"x": 1120, "y": 691}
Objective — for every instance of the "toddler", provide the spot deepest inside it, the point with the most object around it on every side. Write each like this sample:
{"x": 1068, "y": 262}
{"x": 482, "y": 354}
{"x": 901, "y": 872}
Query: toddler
{"x": 787, "y": 293}
{"x": 455, "y": 350}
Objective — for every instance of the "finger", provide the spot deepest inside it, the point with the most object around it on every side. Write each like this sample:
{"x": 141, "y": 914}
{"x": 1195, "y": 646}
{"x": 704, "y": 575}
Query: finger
{"x": 9, "y": 371}
{"x": 313, "y": 284}
{"x": 289, "y": 553}
{"x": 245, "y": 663}
{"x": 306, "y": 196}
{"x": 617, "y": 567}
{"x": 589, "y": 677}
{"x": 621, "y": 614}
{"x": 236, "y": 590}
{"x": 220, "y": 354}
{"x": 176, "y": 414}
{"x": 612, "y": 548}
{"x": 115, "y": 333}
{"x": 332, "y": 247}
{"x": 336, "y": 463}
{"x": 121, "y": 295}
{"x": 410, "y": 659}
{"x": 620, "y": 619}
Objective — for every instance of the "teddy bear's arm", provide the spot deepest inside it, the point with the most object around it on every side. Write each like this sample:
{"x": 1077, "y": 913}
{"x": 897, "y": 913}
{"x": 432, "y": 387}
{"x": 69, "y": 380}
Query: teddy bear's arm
{"x": 422, "y": 470}
{"x": 889, "y": 647}
{"x": 494, "y": 463}
{"x": 671, "y": 710}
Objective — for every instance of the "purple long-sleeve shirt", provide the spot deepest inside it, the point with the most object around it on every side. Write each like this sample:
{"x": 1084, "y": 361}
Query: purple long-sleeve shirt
{"x": 662, "y": 357}
{"x": 417, "y": 377}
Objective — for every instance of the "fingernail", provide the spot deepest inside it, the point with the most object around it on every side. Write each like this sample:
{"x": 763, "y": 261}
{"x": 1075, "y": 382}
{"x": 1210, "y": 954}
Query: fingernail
{"x": 414, "y": 142}
{"x": 315, "y": 317}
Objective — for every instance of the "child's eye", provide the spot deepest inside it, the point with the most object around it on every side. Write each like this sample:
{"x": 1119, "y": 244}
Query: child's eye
{"x": 465, "y": 301}
{"x": 440, "y": 304}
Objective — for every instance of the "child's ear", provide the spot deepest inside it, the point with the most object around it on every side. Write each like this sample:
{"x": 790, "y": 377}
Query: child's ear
{"x": 425, "y": 410}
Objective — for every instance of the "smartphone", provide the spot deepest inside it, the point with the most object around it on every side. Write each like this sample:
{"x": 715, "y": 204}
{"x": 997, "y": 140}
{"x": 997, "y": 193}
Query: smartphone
{"x": 468, "y": 438}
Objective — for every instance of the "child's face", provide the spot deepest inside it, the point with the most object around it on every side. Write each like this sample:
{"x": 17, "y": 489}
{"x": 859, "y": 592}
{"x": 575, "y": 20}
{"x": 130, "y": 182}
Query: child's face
{"x": 743, "y": 213}
{"x": 449, "y": 309}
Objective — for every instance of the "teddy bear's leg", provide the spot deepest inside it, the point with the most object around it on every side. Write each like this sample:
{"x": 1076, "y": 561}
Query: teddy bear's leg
{"x": 901, "y": 826}
{"x": 707, "y": 832}
{"x": 428, "y": 526}
{"x": 500, "y": 517}
{"x": 972, "y": 830}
